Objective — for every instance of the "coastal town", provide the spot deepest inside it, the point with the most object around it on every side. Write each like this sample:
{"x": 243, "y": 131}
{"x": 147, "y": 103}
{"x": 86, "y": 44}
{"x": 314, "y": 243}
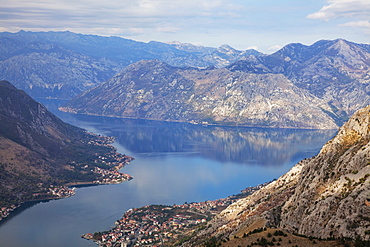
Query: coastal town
{"x": 163, "y": 225}
{"x": 111, "y": 162}
{"x": 110, "y": 176}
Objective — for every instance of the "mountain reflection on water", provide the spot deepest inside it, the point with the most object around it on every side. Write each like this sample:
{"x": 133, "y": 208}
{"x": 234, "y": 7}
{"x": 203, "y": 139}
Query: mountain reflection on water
{"x": 242, "y": 145}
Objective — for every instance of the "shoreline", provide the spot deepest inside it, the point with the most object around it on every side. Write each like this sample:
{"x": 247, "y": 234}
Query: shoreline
{"x": 104, "y": 177}
{"x": 5, "y": 212}
{"x": 202, "y": 123}
{"x": 164, "y": 223}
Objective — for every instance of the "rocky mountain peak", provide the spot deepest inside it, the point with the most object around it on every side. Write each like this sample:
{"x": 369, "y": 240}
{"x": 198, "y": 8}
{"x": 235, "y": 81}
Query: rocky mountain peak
{"x": 340, "y": 45}
{"x": 355, "y": 130}
{"x": 341, "y": 48}
{"x": 146, "y": 71}
{"x": 227, "y": 49}
{"x": 292, "y": 52}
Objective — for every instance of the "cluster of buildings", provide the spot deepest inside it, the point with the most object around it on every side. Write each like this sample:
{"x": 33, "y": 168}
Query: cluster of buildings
{"x": 114, "y": 160}
{"x": 110, "y": 176}
{"x": 53, "y": 193}
{"x": 5, "y": 211}
{"x": 157, "y": 224}
{"x": 61, "y": 191}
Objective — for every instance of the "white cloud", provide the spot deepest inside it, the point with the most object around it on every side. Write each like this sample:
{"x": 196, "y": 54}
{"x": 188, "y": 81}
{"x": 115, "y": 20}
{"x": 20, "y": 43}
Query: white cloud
{"x": 357, "y": 9}
{"x": 252, "y": 47}
{"x": 167, "y": 29}
{"x": 239, "y": 23}
{"x": 364, "y": 24}
{"x": 118, "y": 17}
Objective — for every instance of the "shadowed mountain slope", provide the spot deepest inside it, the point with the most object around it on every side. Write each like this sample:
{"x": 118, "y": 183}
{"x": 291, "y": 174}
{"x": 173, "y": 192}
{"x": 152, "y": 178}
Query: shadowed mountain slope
{"x": 38, "y": 150}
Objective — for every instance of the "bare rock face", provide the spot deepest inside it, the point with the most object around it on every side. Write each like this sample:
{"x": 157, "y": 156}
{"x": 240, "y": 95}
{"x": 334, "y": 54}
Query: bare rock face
{"x": 317, "y": 86}
{"x": 325, "y": 196}
{"x": 331, "y": 198}
{"x": 156, "y": 90}
{"x": 336, "y": 71}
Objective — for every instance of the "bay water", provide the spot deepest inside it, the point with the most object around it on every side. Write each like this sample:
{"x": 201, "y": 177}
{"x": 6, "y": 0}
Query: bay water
{"x": 174, "y": 163}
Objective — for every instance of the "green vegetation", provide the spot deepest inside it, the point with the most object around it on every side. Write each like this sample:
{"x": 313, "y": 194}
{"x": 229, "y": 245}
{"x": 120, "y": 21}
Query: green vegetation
{"x": 38, "y": 150}
{"x": 361, "y": 243}
{"x": 280, "y": 233}
{"x": 74, "y": 163}
{"x": 257, "y": 231}
{"x": 212, "y": 242}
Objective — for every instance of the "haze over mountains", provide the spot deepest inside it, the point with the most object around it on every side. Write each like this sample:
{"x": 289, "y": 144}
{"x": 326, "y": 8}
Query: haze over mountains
{"x": 155, "y": 90}
{"x": 299, "y": 86}
{"x": 64, "y": 64}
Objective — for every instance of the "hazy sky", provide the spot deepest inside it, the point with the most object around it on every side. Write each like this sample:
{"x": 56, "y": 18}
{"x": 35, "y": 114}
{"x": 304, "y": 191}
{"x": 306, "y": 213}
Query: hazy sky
{"x": 264, "y": 25}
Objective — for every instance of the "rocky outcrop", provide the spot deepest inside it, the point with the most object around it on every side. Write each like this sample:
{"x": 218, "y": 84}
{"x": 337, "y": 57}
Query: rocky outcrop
{"x": 331, "y": 197}
{"x": 326, "y": 196}
{"x": 156, "y": 90}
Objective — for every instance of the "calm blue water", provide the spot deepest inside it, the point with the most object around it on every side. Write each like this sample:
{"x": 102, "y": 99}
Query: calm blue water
{"x": 174, "y": 163}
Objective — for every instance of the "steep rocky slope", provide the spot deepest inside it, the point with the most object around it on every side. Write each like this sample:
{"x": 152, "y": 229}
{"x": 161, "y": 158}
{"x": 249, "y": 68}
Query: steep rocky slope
{"x": 156, "y": 90}
{"x": 326, "y": 196}
{"x": 64, "y": 64}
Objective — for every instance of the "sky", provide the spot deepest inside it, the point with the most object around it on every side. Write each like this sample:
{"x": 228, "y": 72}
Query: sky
{"x": 264, "y": 25}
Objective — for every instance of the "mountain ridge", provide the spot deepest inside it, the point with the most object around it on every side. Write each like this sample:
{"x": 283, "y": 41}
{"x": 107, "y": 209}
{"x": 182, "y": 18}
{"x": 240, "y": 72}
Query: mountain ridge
{"x": 83, "y": 61}
{"x": 155, "y": 90}
{"x": 328, "y": 80}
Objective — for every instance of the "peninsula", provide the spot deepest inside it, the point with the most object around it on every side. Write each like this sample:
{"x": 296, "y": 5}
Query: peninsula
{"x": 41, "y": 157}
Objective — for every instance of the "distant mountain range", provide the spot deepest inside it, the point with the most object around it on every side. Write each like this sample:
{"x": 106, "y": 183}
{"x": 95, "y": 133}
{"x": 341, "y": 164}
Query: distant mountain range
{"x": 316, "y": 86}
{"x": 299, "y": 86}
{"x": 337, "y": 71}
{"x": 64, "y": 64}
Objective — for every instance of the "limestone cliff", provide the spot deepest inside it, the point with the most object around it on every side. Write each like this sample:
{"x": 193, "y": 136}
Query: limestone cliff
{"x": 155, "y": 90}
{"x": 326, "y": 196}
